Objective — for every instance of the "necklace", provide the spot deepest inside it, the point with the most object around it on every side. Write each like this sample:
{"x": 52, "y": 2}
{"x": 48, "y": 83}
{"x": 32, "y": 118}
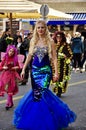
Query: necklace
{"x": 41, "y": 42}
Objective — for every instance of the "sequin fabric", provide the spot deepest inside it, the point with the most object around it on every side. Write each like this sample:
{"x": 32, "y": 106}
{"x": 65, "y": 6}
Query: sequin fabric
{"x": 40, "y": 52}
{"x": 41, "y": 74}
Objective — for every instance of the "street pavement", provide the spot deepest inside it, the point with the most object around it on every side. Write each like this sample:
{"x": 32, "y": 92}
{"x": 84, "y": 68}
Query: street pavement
{"x": 75, "y": 97}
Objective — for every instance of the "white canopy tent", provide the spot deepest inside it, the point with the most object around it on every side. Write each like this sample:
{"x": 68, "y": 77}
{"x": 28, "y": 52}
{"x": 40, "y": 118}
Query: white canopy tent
{"x": 25, "y": 6}
{"x": 11, "y": 6}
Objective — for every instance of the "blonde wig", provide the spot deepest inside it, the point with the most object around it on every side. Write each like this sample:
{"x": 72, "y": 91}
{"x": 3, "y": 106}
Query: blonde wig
{"x": 35, "y": 38}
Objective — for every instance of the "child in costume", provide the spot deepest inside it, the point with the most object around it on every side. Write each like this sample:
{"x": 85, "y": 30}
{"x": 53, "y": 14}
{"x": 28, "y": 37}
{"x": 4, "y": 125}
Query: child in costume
{"x": 9, "y": 75}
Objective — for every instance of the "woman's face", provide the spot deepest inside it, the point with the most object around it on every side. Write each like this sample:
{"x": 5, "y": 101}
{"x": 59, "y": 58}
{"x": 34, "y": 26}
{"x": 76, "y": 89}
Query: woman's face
{"x": 58, "y": 38}
{"x": 19, "y": 40}
{"x": 40, "y": 29}
{"x": 11, "y": 52}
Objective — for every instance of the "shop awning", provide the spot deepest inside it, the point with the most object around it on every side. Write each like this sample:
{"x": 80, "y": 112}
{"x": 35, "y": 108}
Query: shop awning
{"x": 61, "y": 22}
{"x": 67, "y": 22}
{"x": 78, "y": 18}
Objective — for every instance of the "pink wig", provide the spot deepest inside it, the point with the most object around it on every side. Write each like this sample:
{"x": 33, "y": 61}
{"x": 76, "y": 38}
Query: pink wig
{"x": 15, "y": 56}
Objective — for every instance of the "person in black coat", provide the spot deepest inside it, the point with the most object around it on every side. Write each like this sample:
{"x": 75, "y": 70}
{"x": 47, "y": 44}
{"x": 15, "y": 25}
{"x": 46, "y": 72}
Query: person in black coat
{"x": 3, "y": 44}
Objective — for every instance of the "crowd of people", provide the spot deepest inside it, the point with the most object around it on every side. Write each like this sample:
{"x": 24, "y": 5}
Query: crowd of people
{"x": 20, "y": 42}
{"x": 49, "y": 59}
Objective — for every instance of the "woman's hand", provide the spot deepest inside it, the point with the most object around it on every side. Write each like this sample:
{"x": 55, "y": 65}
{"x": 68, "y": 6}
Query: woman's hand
{"x": 14, "y": 68}
{"x": 22, "y": 74}
{"x": 55, "y": 78}
{"x": 5, "y": 67}
{"x": 65, "y": 56}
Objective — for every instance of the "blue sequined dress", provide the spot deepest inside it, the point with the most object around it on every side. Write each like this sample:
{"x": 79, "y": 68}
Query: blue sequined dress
{"x": 40, "y": 109}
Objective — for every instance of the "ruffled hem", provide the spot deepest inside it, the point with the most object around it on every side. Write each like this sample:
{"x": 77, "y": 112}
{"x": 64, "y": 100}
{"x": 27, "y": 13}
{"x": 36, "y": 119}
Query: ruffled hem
{"x": 49, "y": 113}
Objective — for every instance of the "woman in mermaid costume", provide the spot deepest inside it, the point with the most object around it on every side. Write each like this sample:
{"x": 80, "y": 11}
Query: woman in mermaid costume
{"x": 40, "y": 109}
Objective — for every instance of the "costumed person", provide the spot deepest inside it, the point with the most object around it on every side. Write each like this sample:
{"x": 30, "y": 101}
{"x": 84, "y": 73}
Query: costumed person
{"x": 40, "y": 109}
{"x": 64, "y": 56}
{"x": 9, "y": 75}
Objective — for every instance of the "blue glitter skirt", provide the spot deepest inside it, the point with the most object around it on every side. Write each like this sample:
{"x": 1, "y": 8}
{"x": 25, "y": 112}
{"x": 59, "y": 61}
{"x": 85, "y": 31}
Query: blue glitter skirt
{"x": 40, "y": 109}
